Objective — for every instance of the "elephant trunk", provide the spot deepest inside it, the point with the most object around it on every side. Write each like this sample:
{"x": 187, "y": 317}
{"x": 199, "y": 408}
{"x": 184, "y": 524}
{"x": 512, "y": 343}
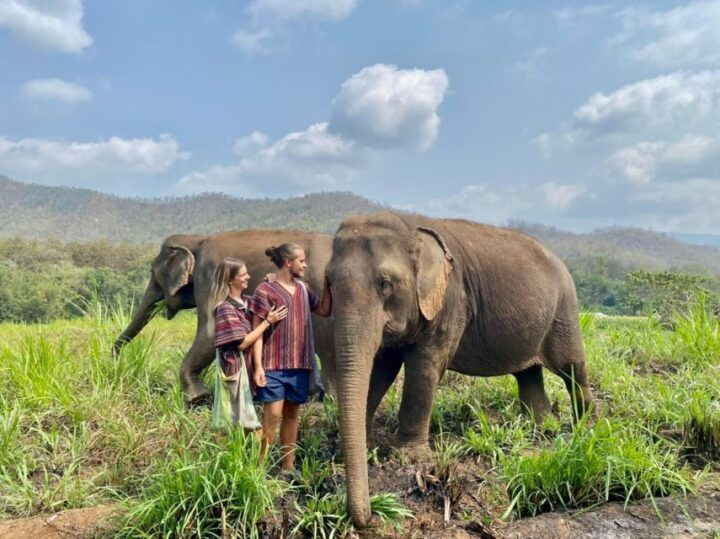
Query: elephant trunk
{"x": 142, "y": 316}
{"x": 356, "y": 344}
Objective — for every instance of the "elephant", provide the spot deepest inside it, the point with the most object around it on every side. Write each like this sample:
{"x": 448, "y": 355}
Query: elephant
{"x": 181, "y": 276}
{"x": 438, "y": 294}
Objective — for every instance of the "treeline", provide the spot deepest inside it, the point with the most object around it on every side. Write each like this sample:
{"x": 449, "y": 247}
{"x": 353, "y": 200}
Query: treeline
{"x": 45, "y": 280}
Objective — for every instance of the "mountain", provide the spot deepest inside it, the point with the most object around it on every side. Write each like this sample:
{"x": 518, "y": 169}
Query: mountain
{"x": 614, "y": 251}
{"x": 71, "y": 214}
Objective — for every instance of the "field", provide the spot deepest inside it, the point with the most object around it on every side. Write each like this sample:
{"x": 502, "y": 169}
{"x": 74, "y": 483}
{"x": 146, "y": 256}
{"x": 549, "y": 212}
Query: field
{"x": 79, "y": 429}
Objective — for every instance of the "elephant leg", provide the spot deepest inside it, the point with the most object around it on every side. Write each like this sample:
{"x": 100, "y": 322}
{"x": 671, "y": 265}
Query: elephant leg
{"x": 531, "y": 391}
{"x": 199, "y": 357}
{"x": 423, "y": 370}
{"x": 385, "y": 370}
{"x": 565, "y": 354}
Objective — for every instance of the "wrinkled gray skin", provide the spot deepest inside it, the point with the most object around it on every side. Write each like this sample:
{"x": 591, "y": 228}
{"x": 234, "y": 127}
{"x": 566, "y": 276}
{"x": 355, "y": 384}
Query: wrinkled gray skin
{"x": 437, "y": 294}
{"x": 182, "y": 273}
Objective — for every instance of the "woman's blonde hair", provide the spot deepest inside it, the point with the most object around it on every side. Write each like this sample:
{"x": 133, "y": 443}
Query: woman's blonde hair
{"x": 226, "y": 271}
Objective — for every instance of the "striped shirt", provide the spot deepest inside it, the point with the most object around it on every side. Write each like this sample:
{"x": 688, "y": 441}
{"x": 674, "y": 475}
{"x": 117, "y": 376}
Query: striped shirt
{"x": 232, "y": 324}
{"x": 287, "y": 344}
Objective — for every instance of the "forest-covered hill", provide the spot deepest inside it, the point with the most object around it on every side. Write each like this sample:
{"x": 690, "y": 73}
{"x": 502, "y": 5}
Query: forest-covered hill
{"x": 32, "y": 211}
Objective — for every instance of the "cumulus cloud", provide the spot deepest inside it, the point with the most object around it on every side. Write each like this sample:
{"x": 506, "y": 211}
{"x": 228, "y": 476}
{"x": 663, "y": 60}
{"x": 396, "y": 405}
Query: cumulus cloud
{"x": 298, "y": 162}
{"x": 379, "y": 108}
{"x": 48, "y": 160}
{"x": 639, "y": 162}
{"x": 651, "y": 102}
{"x": 684, "y": 36}
{"x": 56, "y": 90}
{"x": 383, "y": 106}
{"x": 55, "y": 25}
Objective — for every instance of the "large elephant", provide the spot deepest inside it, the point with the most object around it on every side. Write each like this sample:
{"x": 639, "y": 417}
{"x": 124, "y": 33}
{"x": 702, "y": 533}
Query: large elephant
{"x": 437, "y": 294}
{"x": 181, "y": 276}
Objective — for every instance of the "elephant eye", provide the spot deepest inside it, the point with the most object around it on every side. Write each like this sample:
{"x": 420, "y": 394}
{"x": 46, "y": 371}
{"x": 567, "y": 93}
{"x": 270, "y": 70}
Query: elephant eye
{"x": 386, "y": 286}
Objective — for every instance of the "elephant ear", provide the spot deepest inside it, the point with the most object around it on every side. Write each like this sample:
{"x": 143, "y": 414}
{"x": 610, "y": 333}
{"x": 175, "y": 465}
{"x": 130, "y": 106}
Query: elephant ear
{"x": 180, "y": 266}
{"x": 434, "y": 264}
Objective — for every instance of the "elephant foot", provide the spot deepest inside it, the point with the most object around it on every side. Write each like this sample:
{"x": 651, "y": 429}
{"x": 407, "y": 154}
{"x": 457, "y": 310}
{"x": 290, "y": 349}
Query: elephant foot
{"x": 413, "y": 451}
{"x": 197, "y": 395}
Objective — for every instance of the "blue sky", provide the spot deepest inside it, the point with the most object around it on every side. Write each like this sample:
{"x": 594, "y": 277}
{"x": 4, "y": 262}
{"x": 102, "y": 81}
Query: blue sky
{"x": 579, "y": 115}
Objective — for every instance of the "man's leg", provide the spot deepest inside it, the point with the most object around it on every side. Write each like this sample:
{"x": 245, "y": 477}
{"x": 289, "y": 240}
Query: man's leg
{"x": 289, "y": 433}
{"x": 272, "y": 414}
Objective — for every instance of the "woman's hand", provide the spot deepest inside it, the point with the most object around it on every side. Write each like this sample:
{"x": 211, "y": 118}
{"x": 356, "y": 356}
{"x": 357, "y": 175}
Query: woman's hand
{"x": 259, "y": 377}
{"x": 276, "y": 314}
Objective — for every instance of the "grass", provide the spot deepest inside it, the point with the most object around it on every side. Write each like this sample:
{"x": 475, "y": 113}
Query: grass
{"x": 80, "y": 428}
{"x": 607, "y": 462}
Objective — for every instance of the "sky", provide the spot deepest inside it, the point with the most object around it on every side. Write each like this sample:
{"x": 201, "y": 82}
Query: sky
{"x": 576, "y": 115}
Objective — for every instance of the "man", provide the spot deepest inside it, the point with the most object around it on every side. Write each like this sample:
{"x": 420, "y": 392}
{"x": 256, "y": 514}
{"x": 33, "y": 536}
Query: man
{"x": 283, "y": 364}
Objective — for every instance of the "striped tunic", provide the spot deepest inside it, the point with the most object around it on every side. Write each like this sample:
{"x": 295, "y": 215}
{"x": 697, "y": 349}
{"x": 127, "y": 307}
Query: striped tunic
{"x": 232, "y": 324}
{"x": 287, "y": 344}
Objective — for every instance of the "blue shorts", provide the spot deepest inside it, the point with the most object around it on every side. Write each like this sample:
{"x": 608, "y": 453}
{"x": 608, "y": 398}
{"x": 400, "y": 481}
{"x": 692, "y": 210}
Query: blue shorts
{"x": 290, "y": 384}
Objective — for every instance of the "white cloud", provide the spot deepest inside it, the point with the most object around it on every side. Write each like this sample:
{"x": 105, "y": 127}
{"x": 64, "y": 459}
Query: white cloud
{"x": 496, "y": 205}
{"x": 639, "y": 163}
{"x": 685, "y": 36}
{"x": 383, "y": 106}
{"x": 253, "y": 41}
{"x": 530, "y": 66}
{"x": 561, "y": 196}
{"x": 379, "y": 108}
{"x": 269, "y": 20}
{"x": 651, "y": 102}
{"x": 250, "y": 143}
{"x": 53, "y": 24}
{"x": 309, "y": 160}
{"x": 56, "y": 90}
{"x": 50, "y": 161}
{"x": 281, "y": 10}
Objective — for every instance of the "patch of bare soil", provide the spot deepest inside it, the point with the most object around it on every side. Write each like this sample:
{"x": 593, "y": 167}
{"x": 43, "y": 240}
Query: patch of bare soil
{"x": 73, "y": 523}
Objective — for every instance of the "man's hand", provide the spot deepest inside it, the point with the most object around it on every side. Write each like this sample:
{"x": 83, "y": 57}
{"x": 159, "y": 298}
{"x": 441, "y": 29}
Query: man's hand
{"x": 259, "y": 377}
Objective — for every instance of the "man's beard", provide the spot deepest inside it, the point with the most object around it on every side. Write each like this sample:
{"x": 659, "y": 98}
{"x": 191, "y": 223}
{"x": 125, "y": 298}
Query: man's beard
{"x": 297, "y": 273}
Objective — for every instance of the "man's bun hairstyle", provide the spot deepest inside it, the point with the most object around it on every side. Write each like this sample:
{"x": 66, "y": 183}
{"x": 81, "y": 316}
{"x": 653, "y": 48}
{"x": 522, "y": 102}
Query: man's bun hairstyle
{"x": 280, "y": 254}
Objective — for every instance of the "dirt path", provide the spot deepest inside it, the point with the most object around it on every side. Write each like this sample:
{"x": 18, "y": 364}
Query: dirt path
{"x": 693, "y": 516}
{"x": 73, "y": 523}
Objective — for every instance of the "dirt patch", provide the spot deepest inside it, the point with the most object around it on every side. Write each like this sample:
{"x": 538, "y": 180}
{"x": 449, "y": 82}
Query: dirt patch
{"x": 75, "y": 523}
{"x": 693, "y": 516}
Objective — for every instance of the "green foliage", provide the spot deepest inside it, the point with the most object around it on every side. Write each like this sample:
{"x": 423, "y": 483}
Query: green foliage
{"x": 701, "y": 428}
{"x": 222, "y": 490}
{"x": 607, "y": 462}
{"x": 664, "y": 292}
{"x": 44, "y": 281}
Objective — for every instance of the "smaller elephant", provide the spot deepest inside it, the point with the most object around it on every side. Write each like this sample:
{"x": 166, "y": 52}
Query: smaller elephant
{"x": 435, "y": 294}
{"x": 181, "y": 276}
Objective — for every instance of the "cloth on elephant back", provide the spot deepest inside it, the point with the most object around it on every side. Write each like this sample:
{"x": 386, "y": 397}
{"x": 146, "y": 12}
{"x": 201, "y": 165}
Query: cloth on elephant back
{"x": 288, "y": 344}
{"x": 232, "y": 324}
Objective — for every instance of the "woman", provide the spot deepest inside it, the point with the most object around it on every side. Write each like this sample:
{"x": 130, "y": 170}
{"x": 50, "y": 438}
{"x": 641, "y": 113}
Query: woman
{"x": 234, "y": 338}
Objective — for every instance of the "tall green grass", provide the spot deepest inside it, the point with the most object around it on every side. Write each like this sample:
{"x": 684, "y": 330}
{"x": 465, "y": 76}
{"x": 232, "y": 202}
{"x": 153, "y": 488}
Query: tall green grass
{"x": 222, "y": 490}
{"x": 592, "y": 465}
